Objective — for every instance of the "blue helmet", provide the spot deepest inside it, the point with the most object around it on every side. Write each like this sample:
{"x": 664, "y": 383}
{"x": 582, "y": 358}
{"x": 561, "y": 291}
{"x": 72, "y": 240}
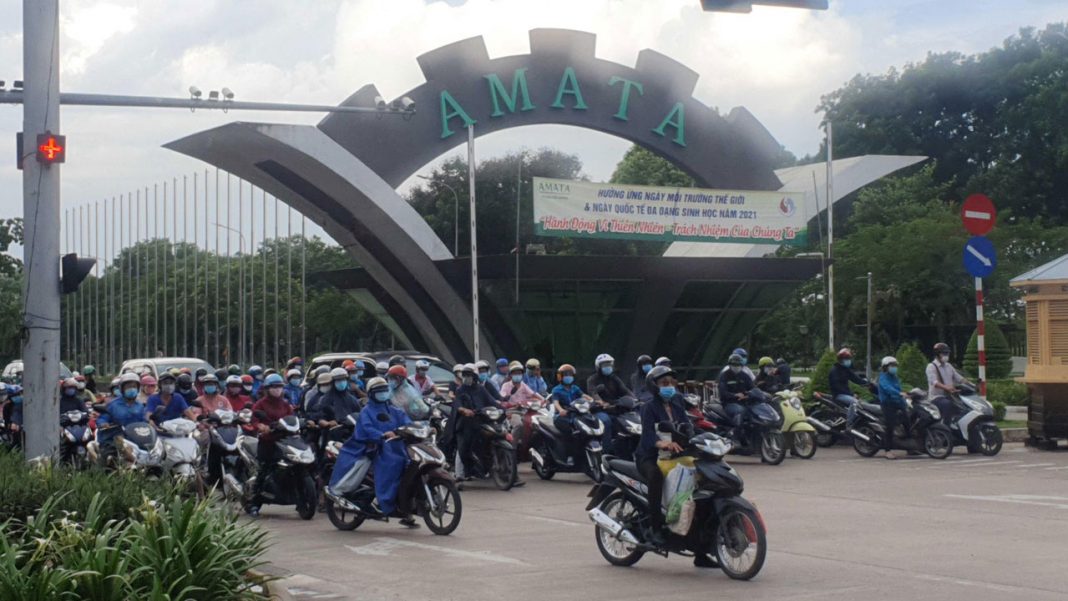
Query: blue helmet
{"x": 741, "y": 352}
{"x": 502, "y": 362}
{"x": 274, "y": 380}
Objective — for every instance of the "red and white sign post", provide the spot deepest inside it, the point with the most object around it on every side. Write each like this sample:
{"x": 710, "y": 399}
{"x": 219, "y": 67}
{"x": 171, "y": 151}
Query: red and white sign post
{"x": 979, "y": 215}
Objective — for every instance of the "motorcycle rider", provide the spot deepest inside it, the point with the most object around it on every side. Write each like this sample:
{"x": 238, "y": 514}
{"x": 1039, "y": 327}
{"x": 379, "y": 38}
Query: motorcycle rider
{"x": 357, "y": 385}
{"x": 246, "y": 385}
{"x": 166, "y": 405}
{"x": 212, "y": 400}
{"x": 116, "y": 388}
{"x": 567, "y": 392}
{"x": 637, "y": 379}
{"x": 665, "y": 361}
{"x": 943, "y": 381}
{"x": 892, "y": 400}
{"x": 375, "y": 430}
{"x": 501, "y": 376}
{"x": 783, "y": 370}
{"x": 605, "y": 385}
{"x": 483, "y": 367}
{"x": 666, "y": 406}
{"x": 734, "y": 385}
{"x": 767, "y": 377}
{"x": 337, "y": 402}
{"x": 533, "y": 379}
{"x": 471, "y": 397}
{"x": 839, "y": 378}
{"x": 457, "y": 381}
{"x": 235, "y": 393}
{"x": 185, "y": 387}
{"x": 515, "y": 391}
{"x": 293, "y": 388}
{"x": 233, "y": 370}
{"x": 744, "y": 354}
{"x": 381, "y": 368}
{"x": 148, "y": 388}
{"x": 121, "y": 412}
{"x": 265, "y": 415}
{"x": 295, "y": 363}
{"x": 90, "y": 378}
{"x": 13, "y": 411}
{"x": 198, "y": 377}
{"x": 69, "y": 399}
{"x": 256, "y": 372}
{"x": 421, "y": 380}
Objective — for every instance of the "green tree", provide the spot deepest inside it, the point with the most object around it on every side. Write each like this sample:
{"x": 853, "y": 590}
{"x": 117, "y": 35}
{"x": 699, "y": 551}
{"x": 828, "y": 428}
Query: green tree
{"x": 643, "y": 167}
{"x": 998, "y": 357}
{"x": 10, "y": 291}
{"x": 912, "y": 366}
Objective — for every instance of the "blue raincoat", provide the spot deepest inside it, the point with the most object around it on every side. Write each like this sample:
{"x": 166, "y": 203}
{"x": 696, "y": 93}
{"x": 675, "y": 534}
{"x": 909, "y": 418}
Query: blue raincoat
{"x": 389, "y": 457}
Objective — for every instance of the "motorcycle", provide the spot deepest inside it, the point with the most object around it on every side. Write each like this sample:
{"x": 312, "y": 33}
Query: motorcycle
{"x": 77, "y": 434}
{"x": 522, "y": 417}
{"x": 799, "y": 431}
{"x": 832, "y": 414}
{"x": 725, "y": 527}
{"x": 335, "y": 439}
{"x": 973, "y": 425}
{"x": 553, "y": 451}
{"x": 760, "y": 431}
{"x": 292, "y": 482}
{"x": 181, "y": 453}
{"x": 924, "y": 430}
{"x": 426, "y": 489}
{"x": 139, "y": 448}
{"x": 495, "y": 452}
{"x": 224, "y": 447}
{"x": 626, "y": 427}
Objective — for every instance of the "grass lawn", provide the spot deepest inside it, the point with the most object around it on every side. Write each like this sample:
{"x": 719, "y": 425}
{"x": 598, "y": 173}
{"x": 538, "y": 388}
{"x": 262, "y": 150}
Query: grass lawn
{"x": 1012, "y": 424}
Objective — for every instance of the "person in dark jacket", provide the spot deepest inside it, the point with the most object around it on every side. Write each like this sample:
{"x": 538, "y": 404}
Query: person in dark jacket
{"x": 605, "y": 385}
{"x": 734, "y": 385}
{"x": 783, "y": 370}
{"x": 267, "y": 412}
{"x": 338, "y": 402}
{"x": 637, "y": 379}
{"x": 767, "y": 379}
{"x": 666, "y": 406}
{"x": 839, "y": 378}
{"x": 471, "y": 397}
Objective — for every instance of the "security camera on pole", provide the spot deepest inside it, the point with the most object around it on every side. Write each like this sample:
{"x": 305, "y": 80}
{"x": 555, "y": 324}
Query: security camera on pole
{"x": 980, "y": 259}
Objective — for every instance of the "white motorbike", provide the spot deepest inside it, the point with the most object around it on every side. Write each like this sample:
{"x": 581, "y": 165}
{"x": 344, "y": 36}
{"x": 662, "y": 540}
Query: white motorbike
{"x": 181, "y": 452}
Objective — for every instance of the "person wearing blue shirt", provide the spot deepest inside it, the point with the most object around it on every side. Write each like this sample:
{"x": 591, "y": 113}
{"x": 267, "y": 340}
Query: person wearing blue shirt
{"x": 257, "y": 380}
{"x": 892, "y": 400}
{"x": 293, "y": 389}
{"x": 120, "y": 412}
{"x": 532, "y": 377}
{"x": 734, "y": 385}
{"x": 165, "y": 405}
{"x": 567, "y": 392}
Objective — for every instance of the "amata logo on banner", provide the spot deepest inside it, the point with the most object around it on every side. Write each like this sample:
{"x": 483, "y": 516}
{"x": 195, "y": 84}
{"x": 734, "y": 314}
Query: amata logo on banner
{"x": 585, "y": 209}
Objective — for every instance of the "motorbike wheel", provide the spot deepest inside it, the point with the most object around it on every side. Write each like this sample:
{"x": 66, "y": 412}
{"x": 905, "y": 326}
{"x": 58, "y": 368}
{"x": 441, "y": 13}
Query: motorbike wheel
{"x": 504, "y": 472}
{"x": 446, "y": 517}
{"x": 614, "y": 550}
{"x": 990, "y": 439}
{"x": 341, "y": 519}
{"x": 740, "y": 543}
{"x": 804, "y": 444}
{"x": 938, "y": 443}
{"x": 772, "y": 448}
{"x": 543, "y": 470}
{"x": 866, "y": 448}
{"x": 306, "y": 505}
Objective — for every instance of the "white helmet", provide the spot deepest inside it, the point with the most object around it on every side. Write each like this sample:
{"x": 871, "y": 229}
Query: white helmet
{"x": 339, "y": 373}
{"x": 888, "y": 360}
{"x": 422, "y": 364}
{"x": 129, "y": 378}
{"x": 459, "y": 367}
{"x": 663, "y": 361}
{"x": 381, "y": 367}
{"x": 233, "y": 380}
{"x": 482, "y": 364}
{"x": 470, "y": 368}
{"x": 293, "y": 373}
{"x": 602, "y": 359}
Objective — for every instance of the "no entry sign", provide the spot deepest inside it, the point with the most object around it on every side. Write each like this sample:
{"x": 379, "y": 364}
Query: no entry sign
{"x": 978, "y": 214}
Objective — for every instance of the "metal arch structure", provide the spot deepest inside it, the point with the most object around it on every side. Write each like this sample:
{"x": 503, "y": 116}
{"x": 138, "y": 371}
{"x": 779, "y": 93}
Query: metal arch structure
{"x": 342, "y": 173}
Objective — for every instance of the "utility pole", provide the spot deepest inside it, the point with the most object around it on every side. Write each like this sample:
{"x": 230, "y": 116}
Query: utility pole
{"x": 871, "y": 310}
{"x": 41, "y": 214}
{"x": 474, "y": 241}
{"x": 830, "y": 237}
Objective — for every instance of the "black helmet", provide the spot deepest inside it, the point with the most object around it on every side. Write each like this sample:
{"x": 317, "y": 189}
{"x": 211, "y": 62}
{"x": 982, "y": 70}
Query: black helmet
{"x": 166, "y": 376}
{"x": 643, "y": 359}
{"x": 234, "y": 370}
{"x": 735, "y": 359}
{"x": 396, "y": 360}
{"x": 201, "y": 372}
{"x": 220, "y": 374}
{"x": 941, "y": 348}
{"x": 185, "y": 380}
{"x": 656, "y": 373}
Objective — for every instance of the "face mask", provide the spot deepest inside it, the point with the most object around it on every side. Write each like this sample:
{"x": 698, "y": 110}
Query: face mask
{"x": 892, "y": 370}
{"x": 70, "y": 391}
{"x": 736, "y": 368}
{"x": 294, "y": 381}
{"x": 530, "y": 372}
{"x": 568, "y": 380}
{"x": 325, "y": 388}
{"x": 847, "y": 362}
{"x": 247, "y": 387}
{"x": 647, "y": 367}
{"x": 382, "y": 396}
{"x": 393, "y": 384}
{"x": 517, "y": 379}
{"x": 667, "y": 392}
{"x": 483, "y": 376}
{"x": 341, "y": 385}
{"x": 422, "y": 373}
{"x": 130, "y": 393}
{"x": 210, "y": 389}
{"x": 17, "y": 400}
{"x": 607, "y": 370}
{"x": 944, "y": 358}
{"x": 468, "y": 380}
{"x": 769, "y": 370}
{"x": 274, "y": 391}
{"x": 116, "y": 392}
{"x": 167, "y": 388}
{"x": 233, "y": 390}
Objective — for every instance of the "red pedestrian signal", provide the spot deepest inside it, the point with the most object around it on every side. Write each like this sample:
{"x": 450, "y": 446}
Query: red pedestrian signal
{"x": 51, "y": 148}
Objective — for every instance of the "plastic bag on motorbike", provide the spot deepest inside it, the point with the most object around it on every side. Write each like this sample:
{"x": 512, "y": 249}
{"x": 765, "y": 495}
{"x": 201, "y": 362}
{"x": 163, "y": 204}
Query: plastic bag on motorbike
{"x": 407, "y": 398}
{"x": 677, "y": 498}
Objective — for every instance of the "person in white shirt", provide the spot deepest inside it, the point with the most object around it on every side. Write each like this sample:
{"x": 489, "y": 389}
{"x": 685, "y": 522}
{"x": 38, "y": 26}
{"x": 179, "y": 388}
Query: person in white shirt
{"x": 943, "y": 381}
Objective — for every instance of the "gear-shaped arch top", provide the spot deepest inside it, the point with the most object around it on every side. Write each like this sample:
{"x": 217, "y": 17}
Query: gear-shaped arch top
{"x": 560, "y": 82}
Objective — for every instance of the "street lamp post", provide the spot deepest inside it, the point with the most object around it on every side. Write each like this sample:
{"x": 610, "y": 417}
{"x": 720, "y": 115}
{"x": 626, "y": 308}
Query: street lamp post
{"x": 455, "y": 215}
{"x": 241, "y": 291}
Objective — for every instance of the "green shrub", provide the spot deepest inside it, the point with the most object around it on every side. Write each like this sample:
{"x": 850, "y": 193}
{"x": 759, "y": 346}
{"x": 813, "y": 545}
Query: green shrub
{"x": 1008, "y": 392}
{"x": 999, "y": 410}
{"x": 998, "y": 356}
{"x": 911, "y": 366}
{"x": 819, "y": 380}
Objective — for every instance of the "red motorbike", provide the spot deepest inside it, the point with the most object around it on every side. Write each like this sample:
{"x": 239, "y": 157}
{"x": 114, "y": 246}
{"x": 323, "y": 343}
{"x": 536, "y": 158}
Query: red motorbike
{"x": 520, "y": 416}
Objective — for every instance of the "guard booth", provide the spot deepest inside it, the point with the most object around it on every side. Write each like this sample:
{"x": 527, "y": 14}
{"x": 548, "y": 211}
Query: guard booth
{"x": 1046, "y": 297}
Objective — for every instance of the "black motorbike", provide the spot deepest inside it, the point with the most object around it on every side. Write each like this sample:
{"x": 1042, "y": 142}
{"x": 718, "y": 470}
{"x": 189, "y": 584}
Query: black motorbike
{"x": 923, "y": 430}
{"x": 760, "y": 431}
{"x": 838, "y": 415}
{"x": 577, "y": 451}
{"x": 725, "y": 529}
{"x": 335, "y": 438}
{"x": 227, "y": 467}
{"x": 292, "y": 481}
{"x": 626, "y": 427}
{"x": 426, "y": 489}
{"x": 77, "y": 434}
{"x": 494, "y": 449}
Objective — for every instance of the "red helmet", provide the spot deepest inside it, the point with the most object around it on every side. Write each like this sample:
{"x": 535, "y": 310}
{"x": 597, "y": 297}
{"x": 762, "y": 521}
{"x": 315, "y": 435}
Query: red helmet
{"x": 845, "y": 354}
{"x": 398, "y": 370}
{"x": 246, "y": 379}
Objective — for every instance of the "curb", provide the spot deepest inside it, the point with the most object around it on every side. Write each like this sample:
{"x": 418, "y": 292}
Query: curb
{"x": 1015, "y": 434}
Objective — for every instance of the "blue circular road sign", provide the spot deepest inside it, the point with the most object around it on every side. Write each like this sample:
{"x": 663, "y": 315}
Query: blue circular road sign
{"x": 980, "y": 259}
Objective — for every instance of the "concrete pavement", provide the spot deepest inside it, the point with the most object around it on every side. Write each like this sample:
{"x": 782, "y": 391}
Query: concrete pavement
{"x": 839, "y": 527}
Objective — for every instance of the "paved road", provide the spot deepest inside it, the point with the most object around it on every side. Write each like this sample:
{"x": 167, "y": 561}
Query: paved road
{"x": 839, "y": 527}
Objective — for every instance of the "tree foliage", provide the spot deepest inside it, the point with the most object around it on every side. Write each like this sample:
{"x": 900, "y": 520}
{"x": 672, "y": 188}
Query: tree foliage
{"x": 911, "y": 366}
{"x": 998, "y": 357}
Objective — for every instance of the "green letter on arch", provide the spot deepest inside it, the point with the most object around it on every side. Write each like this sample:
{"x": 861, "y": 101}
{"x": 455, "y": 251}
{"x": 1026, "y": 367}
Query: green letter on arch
{"x": 498, "y": 93}
{"x": 451, "y": 109}
{"x": 624, "y": 98}
{"x": 569, "y": 85}
{"x": 677, "y": 119}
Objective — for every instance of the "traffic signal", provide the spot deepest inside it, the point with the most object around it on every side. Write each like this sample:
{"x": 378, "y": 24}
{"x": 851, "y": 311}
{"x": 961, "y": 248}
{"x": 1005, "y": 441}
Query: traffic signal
{"x": 51, "y": 148}
{"x": 74, "y": 270}
{"x": 746, "y": 6}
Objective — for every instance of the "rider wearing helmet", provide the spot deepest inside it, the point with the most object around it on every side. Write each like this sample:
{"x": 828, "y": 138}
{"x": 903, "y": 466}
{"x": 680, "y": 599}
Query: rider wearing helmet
{"x": 532, "y": 377}
{"x": 637, "y": 379}
{"x": 501, "y": 376}
{"x": 235, "y": 393}
{"x": 892, "y": 400}
{"x": 457, "y": 379}
{"x": 212, "y": 399}
{"x": 662, "y": 361}
{"x": 782, "y": 369}
{"x": 257, "y": 379}
{"x": 515, "y": 392}
{"x": 165, "y": 405}
{"x": 90, "y": 378}
{"x": 734, "y": 386}
{"x": 741, "y": 352}
{"x": 381, "y": 368}
{"x": 185, "y": 387}
{"x": 840, "y": 376}
{"x": 120, "y": 412}
{"x": 293, "y": 387}
{"x": 567, "y": 392}
{"x": 943, "y": 381}
{"x": 605, "y": 385}
{"x": 69, "y": 399}
{"x": 233, "y": 370}
{"x": 338, "y": 401}
{"x": 266, "y": 413}
{"x": 666, "y": 406}
{"x": 246, "y": 385}
{"x": 767, "y": 379}
{"x": 116, "y": 388}
{"x": 294, "y": 363}
{"x": 421, "y": 380}
{"x": 396, "y": 360}
{"x": 471, "y": 397}
{"x": 483, "y": 368}
{"x": 148, "y": 388}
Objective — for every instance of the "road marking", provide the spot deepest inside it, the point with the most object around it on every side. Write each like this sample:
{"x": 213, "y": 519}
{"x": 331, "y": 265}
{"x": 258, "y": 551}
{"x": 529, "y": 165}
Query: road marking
{"x": 963, "y": 460}
{"x": 384, "y": 546}
{"x": 1063, "y": 467}
{"x": 556, "y": 521}
{"x": 300, "y": 592}
{"x": 962, "y": 582}
{"x": 988, "y": 464}
{"x": 1018, "y": 499}
{"x": 1035, "y": 465}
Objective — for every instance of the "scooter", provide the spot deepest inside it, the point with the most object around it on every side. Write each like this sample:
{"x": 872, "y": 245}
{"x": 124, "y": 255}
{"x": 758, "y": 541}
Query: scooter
{"x": 76, "y": 436}
{"x": 495, "y": 452}
{"x": 578, "y": 451}
{"x": 924, "y": 430}
{"x": 181, "y": 453}
{"x": 224, "y": 449}
{"x": 292, "y": 482}
{"x": 726, "y": 529}
{"x": 521, "y": 417}
{"x": 972, "y": 423}
{"x": 760, "y": 431}
{"x": 832, "y": 414}
{"x": 799, "y": 431}
{"x": 426, "y": 489}
{"x": 626, "y": 427}
{"x": 140, "y": 447}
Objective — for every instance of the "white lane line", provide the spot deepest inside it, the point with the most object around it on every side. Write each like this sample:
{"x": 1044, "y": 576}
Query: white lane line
{"x": 964, "y": 461}
{"x": 962, "y": 582}
{"x": 1017, "y": 499}
{"x": 1063, "y": 467}
{"x": 555, "y": 521}
{"x": 1028, "y": 465}
{"x": 384, "y": 546}
{"x": 988, "y": 464}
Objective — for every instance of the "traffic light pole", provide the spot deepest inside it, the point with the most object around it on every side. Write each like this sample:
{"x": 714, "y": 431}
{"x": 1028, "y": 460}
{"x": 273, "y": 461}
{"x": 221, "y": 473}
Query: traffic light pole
{"x": 41, "y": 214}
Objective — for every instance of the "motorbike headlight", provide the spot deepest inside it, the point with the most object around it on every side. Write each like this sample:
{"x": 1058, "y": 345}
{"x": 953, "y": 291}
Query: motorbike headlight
{"x": 795, "y": 403}
{"x": 493, "y": 414}
{"x": 935, "y": 413}
{"x": 299, "y": 455}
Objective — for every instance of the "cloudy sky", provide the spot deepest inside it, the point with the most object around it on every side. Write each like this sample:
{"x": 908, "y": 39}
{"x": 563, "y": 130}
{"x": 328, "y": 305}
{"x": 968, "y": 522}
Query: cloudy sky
{"x": 776, "y": 62}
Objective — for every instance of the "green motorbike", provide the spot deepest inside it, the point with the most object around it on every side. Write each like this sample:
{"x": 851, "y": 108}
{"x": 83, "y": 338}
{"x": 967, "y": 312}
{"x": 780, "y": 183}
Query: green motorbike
{"x": 798, "y": 429}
